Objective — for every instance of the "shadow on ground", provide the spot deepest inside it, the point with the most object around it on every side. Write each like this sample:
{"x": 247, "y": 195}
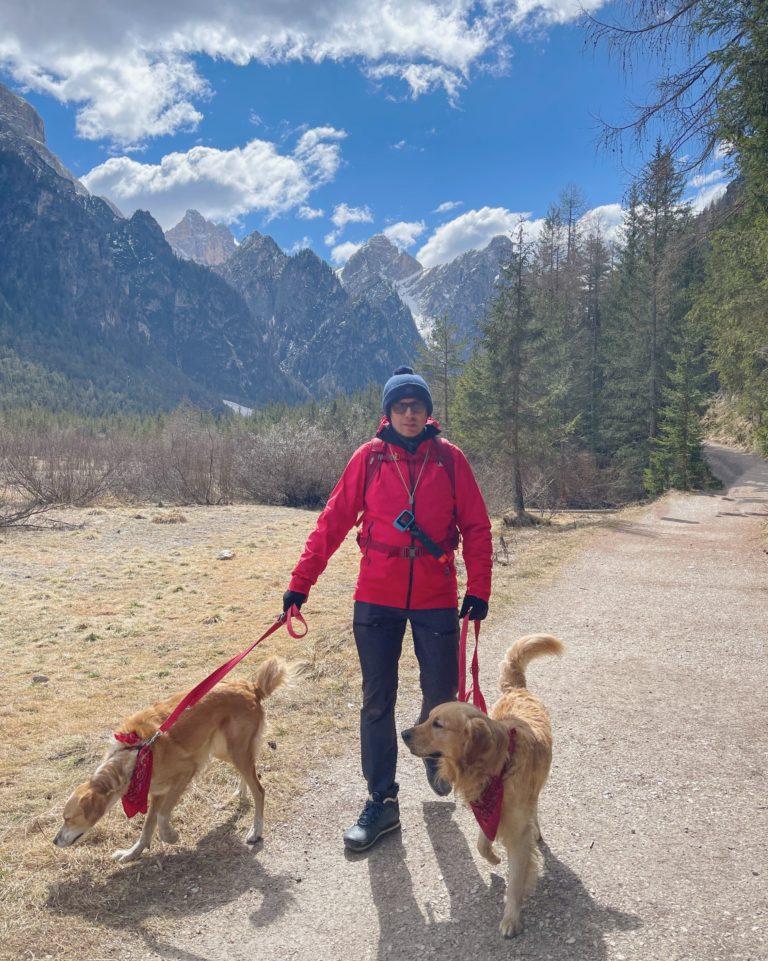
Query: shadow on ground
{"x": 562, "y": 921}
{"x": 176, "y": 885}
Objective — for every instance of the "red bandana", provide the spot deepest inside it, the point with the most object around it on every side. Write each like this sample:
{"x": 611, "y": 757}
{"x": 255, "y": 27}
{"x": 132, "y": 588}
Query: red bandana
{"x": 135, "y": 798}
{"x": 487, "y": 808}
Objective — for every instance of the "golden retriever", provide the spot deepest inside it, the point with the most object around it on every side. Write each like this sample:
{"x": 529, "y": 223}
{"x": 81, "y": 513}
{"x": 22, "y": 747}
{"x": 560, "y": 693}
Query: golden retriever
{"x": 227, "y": 723}
{"x": 473, "y": 748}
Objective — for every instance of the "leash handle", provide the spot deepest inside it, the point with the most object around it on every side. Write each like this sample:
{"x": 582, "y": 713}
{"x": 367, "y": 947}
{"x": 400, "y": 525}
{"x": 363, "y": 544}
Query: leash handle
{"x": 474, "y": 692}
{"x": 201, "y": 689}
{"x": 287, "y": 618}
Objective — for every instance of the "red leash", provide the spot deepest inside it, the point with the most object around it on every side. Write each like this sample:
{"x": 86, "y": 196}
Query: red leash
{"x": 474, "y": 692}
{"x": 135, "y": 798}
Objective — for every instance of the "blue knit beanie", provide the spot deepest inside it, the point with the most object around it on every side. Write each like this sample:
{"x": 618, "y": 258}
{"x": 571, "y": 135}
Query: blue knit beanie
{"x": 404, "y": 383}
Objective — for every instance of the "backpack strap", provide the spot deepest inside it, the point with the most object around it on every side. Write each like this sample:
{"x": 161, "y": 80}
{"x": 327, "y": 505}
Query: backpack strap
{"x": 445, "y": 457}
{"x": 374, "y": 455}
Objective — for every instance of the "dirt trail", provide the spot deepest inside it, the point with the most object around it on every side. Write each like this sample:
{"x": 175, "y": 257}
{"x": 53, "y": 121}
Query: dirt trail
{"x": 655, "y": 814}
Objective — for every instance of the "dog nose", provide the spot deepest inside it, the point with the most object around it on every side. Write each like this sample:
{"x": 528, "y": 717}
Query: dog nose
{"x": 407, "y": 734}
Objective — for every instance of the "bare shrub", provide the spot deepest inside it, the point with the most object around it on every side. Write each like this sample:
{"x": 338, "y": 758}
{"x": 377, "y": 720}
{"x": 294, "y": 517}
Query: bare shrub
{"x": 555, "y": 480}
{"x": 294, "y": 465}
{"x": 15, "y": 512}
{"x": 189, "y": 460}
{"x": 61, "y": 465}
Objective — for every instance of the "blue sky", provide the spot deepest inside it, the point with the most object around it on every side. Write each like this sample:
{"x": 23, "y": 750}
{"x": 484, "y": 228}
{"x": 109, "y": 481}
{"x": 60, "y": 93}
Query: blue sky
{"x": 266, "y": 139}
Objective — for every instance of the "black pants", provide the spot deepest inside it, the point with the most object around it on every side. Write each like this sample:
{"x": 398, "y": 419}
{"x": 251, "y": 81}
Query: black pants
{"x": 379, "y": 635}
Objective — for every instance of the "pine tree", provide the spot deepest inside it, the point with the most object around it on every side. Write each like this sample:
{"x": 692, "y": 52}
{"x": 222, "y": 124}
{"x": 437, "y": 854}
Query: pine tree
{"x": 555, "y": 270}
{"x": 677, "y": 458}
{"x": 499, "y": 391}
{"x": 441, "y": 359}
{"x": 597, "y": 266}
{"x": 663, "y": 218}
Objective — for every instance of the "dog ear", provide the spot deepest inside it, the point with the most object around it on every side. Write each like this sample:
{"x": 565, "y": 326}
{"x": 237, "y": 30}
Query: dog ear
{"x": 93, "y": 804}
{"x": 478, "y": 740}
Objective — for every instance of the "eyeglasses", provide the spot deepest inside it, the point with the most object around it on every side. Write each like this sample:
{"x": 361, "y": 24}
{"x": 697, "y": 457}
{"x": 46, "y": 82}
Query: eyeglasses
{"x": 402, "y": 407}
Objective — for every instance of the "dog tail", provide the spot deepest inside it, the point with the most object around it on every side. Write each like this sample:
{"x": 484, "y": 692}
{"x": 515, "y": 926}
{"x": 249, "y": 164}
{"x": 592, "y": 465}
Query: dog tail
{"x": 521, "y": 653}
{"x": 271, "y": 674}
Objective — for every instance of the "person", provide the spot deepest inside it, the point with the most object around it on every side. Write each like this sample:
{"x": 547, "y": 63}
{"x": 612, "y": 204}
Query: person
{"x": 406, "y": 466}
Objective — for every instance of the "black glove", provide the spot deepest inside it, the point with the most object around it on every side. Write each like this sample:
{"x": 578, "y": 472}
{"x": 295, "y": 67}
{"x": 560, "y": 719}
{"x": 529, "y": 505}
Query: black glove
{"x": 475, "y": 607}
{"x": 293, "y": 597}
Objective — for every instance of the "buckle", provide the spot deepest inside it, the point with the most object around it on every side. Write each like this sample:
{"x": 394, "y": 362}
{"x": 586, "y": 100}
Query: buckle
{"x": 411, "y": 552}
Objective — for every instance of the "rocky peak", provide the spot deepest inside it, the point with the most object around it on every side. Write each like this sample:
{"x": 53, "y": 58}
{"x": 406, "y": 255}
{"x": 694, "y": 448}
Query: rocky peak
{"x": 201, "y": 240}
{"x": 23, "y": 132}
{"x": 20, "y": 116}
{"x": 377, "y": 259}
{"x": 500, "y": 245}
{"x": 257, "y": 256}
{"x": 461, "y": 289}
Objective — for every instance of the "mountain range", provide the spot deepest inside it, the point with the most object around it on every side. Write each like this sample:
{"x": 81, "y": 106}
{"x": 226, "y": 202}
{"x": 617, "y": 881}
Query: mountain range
{"x": 382, "y": 273}
{"x": 102, "y": 312}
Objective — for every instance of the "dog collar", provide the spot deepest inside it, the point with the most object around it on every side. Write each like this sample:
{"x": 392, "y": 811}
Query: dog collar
{"x": 487, "y": 808}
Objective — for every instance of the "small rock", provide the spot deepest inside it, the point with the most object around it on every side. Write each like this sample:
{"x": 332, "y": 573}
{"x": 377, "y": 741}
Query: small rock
{"x": 273, "y": 745}
{"x": 40, "y": 678}
{"x": 226, "y": 555}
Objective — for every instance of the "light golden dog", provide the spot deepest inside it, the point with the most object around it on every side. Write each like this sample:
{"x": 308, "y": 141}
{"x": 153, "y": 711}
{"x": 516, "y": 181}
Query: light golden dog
{"x": 473, "y": 748}
{"x": 227, "y": 723}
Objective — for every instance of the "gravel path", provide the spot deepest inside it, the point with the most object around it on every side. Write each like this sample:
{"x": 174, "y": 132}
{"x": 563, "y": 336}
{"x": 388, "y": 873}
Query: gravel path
{"x": 655, "y": 814}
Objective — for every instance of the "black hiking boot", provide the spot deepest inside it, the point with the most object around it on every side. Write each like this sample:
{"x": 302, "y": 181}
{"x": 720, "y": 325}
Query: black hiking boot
{"x": 380, "y": 815}
{"x": 438, "y": 785}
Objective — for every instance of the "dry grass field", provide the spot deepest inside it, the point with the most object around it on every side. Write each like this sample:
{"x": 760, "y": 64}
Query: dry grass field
{"x": 130, "y": 604}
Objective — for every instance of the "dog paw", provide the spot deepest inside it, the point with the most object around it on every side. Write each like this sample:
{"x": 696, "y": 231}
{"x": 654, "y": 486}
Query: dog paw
{"x": 168, "y": 834}
{"x": 125, "y": 855}
{"x": 254, "y": 835}
{"x": 510, "y": 926}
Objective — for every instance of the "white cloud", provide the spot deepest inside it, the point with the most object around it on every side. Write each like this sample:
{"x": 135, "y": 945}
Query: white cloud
{"x": 131, "y": 67}
{"x": 341, "y": 254}
{"x": 404, "y": 234}
{"x": 702, "y": 180}
{"x": 707, "y": 196}
{"x": 608, "y": 218}
{"x": 300, "y": 245}
{"x": 444, "y": 208}
{"x": 398, "y": 146}
{"x": 472, "y": 230}
{"x": 127, "y": 99}
{"x": 309, "y": 213}
{"x": 705, "y": 188}
{"x": 222, "y": 184}
{"x": 342, "y": 215}
{"x": 422, "y": 78}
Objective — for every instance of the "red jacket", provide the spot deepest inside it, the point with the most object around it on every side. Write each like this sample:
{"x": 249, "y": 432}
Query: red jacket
{"x": 400, "y": 581}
